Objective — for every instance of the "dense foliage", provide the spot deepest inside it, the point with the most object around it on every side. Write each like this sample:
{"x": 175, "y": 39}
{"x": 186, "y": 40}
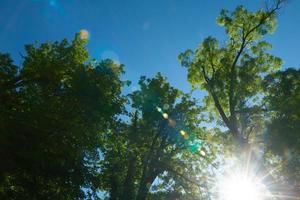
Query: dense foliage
{"x": 53, "y": 111}
{"x": 282, "y": 135}
{"x": 68, "y": 132}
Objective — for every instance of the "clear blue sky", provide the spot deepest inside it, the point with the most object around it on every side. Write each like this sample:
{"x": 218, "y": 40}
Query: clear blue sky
{"x": 145, "y": 35}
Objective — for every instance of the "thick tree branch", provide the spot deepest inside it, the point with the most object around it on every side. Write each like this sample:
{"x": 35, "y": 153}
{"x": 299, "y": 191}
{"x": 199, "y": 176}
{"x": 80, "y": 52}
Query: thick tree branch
{"x": 232, "y": 81}
{"x": 217, "y": 102}
{"x": 245, "y": 35}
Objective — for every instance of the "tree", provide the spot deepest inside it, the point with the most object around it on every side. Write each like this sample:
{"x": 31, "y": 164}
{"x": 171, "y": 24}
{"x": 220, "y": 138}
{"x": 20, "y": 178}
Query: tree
{"x": 233, "y": 73}
{"x": 53, "y": 110}
{"x": 282, "y": 135}
{"x": 64, "y": 132}
{"x": 158, "y": 152}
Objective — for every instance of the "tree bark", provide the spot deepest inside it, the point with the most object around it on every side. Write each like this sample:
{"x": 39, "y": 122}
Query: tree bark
{"x": 128, "y": 191}
{"x": 143, "y": 190}
{"x": 113, "y": 187}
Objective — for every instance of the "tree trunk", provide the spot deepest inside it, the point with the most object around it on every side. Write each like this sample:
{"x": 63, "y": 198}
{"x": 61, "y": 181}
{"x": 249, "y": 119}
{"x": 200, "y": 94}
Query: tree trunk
{"x": 113, "y": 187}
{"x": 143, "y": 190}
{"x": 128, "y": 191}
{"x": 145, "y": 184}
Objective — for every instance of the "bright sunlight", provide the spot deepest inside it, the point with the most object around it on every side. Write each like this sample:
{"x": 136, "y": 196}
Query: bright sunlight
{"x": 240, "y": 186}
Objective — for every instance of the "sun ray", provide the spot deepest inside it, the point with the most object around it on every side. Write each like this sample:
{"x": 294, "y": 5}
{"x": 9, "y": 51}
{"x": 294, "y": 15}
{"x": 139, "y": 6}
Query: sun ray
{"x": 248, "y": 161}
{"x": 268, "y": 173}
{"x": 281, "y": 196}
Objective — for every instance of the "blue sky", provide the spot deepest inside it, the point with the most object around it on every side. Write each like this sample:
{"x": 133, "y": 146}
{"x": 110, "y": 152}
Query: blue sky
{"x": 145, "y": 35}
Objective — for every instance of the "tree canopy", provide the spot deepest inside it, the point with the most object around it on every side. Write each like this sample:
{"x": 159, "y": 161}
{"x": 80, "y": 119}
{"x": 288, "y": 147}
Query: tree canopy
{"x": 69, "y": 131}
{"x": 53, "y": 111}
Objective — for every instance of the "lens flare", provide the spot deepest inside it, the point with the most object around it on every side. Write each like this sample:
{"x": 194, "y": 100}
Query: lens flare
{"x": 165, "y": 115}
{"x": 202, "y": 152}
{"x": 182, "y": 132}
{"x": 158, "y": 109}
{"x": 171, "y": 122}
{"x": 84, "y": 34}
{"x": 112, "y": 55}
{"x": 166, "y": 106}
{"x": 236, "y": 187}
{"x": 241, "y": 183}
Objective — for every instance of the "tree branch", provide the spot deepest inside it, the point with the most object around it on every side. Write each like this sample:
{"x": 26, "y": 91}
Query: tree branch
{"x": 245, "y": 36}
{"x": 216, "y": 101}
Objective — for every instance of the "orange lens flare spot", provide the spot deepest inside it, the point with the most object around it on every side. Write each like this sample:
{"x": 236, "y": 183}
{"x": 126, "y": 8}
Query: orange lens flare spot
{"x": 84, "y": 34}
{"x": 171, "y": 122}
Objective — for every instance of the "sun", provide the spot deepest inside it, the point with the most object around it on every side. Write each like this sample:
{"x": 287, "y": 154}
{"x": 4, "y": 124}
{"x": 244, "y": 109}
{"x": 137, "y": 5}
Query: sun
{"x": 237, "y": 186}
